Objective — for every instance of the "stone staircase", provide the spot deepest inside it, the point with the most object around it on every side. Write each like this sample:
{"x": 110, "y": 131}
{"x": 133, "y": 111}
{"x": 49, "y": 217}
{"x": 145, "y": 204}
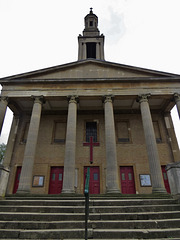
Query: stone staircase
{"x": 123, "y": 217}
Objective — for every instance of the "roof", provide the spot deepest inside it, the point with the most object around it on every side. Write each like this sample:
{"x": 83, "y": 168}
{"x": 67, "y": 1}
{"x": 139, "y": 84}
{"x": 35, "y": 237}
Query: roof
{"x": 90, "y": 69}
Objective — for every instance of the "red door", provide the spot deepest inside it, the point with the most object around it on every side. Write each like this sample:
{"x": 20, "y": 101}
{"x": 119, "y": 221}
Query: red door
{"x": 165, "y": 177}
{"x": 16, "y": 183}
{"x": 94, "y": 183}
{"x": 56, "y": 180}
{"x": 127, "y": 180}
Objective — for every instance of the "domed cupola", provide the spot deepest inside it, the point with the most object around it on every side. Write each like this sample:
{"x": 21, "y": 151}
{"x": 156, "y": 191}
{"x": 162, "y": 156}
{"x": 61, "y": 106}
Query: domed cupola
{"x": 91, "y": 23}
{"x": 91, "y": 44}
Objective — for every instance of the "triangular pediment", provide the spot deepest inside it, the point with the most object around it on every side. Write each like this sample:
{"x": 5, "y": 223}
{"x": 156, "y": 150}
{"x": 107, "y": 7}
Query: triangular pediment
{"x": 92, "y": 69}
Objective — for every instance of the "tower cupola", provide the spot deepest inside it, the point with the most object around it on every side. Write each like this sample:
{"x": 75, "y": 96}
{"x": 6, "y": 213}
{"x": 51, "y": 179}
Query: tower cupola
{"x": 91, "y": 43}
{"x": 91, "y": 23}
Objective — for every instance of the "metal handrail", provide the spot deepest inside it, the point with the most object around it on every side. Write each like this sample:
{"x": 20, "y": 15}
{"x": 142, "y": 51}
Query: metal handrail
{"x": 86, "y": 194}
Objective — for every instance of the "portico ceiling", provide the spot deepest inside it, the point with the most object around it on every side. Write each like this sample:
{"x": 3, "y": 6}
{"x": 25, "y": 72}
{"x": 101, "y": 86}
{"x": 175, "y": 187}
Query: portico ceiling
{"x": 92, "y": 103}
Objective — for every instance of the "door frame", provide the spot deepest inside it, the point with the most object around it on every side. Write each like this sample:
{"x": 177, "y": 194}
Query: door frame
{"x": 84, "y": 177}
{"x": 54, "y": 166}
{"x": 135, "y": 176}
{"x": 17, "y": 167}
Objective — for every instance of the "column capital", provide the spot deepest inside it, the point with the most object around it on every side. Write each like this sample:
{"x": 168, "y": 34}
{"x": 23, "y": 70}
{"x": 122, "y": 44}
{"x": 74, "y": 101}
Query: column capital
{"x": 143, "y": 98}
{"x": 176, "y": 97}
{"x": 73, "y": 99}
{"x": 4, "y": 99}
{"x": 38, "y": 99}
{"x": 108, "y": 98}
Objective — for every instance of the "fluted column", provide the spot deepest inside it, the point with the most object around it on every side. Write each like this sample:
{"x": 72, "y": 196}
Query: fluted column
{"x": 3, "y": 107}
{"x": 30, "y": 149}
{"x": 152, "y": 151}
{"x": 70, "y": 147}
{"x": 111, "y": 155}
{"x": 177, "y": 101}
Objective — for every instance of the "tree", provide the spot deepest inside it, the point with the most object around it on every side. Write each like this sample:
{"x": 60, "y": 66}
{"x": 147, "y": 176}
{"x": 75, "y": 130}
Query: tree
{"x": 2, "y": 152}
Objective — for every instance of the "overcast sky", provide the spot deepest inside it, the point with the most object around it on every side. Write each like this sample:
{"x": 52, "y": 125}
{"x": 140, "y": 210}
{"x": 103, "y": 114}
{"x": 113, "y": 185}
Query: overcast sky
{"x": 36, "y": 34}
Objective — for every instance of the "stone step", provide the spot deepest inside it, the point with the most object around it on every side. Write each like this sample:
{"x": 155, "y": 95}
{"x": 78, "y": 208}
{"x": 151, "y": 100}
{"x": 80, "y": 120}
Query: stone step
{"x": 110, "y": 218}
{"x": 26, "y": 216}
{"x": 95, "y": 202}
{"x": 97, "y": 239}
{"x": 136, "y": 233}
{"x": 92, "y": 233}
{"x": 132, "y": 224}
{"x": 92, "y": 209}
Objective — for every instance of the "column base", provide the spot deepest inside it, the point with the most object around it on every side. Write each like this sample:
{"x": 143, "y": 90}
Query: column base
{"x": 67, "y": 191}
{"x": 22, "y": 192}
{"x": 159, "y": 191}
{"x": 112, "y": 191}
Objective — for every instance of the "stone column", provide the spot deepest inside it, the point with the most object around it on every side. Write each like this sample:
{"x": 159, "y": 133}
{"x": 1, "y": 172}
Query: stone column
{"x": 70, "y": 147}
{"x": 84, "y": 51}
{"x": 172, "y": 137}
{"x": 152, "y": 151}
{"x": 112, "y": 179}
{"x": 97, "y": 51}
{"x": 7, "y": 158}
{"x": 177, "y": 101}
{"x": 30, "y": 149}
{"x": 11, "y": 141}
{"x": 3, "y": 107}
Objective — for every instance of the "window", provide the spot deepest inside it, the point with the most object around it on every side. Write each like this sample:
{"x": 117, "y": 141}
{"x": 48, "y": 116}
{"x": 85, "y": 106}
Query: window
{"x": 157, "y": 131}
{"x": 91, "y": 23}
{"x": 59, "y": 132}
{"x": 91, "y": 50}
{"x": 91, "y": 131}
{"x": 25, "y": 133}
{"x": 123, "y": 134}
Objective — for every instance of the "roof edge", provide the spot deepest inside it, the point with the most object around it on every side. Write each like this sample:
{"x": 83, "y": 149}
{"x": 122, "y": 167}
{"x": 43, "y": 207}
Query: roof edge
{"x": 71, "y": 64}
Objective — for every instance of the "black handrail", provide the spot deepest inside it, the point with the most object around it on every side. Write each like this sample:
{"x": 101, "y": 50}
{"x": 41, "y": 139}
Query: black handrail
{"x": 86, "y": 194}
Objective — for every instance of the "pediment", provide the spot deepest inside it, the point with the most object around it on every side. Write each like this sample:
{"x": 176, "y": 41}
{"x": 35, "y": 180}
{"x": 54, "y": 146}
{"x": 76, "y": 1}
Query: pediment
{"x": 92, "y": 69}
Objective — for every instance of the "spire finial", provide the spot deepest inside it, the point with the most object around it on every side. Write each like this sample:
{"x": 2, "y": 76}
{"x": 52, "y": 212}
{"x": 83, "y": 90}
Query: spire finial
{"x": 91, "y": 10}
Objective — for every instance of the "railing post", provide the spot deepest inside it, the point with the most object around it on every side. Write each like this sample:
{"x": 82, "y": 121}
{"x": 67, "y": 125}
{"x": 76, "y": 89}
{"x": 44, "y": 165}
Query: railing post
{"x": 86, "y": 194}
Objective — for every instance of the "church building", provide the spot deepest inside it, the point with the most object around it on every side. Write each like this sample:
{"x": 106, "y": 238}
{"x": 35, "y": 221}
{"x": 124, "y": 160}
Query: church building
{"x": 93, "y": 113}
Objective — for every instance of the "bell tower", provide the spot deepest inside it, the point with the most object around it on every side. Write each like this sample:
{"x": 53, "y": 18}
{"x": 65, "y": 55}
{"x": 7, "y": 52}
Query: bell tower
{"x": 91, "y": 43}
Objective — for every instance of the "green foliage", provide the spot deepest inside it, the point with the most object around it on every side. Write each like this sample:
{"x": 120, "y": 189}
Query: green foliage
{"x": 2, "y": 151}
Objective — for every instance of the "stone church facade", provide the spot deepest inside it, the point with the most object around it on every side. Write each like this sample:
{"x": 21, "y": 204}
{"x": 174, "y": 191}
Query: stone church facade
{"x": 112, "y": 117}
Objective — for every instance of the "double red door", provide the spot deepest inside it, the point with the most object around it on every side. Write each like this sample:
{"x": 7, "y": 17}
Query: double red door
{"x": 94, "y": 182}
{"x": 165, "y": 177}
{"x": 127, "y": 180}
{"x": 56, "y": 180}
{"x": 17, "y": 178}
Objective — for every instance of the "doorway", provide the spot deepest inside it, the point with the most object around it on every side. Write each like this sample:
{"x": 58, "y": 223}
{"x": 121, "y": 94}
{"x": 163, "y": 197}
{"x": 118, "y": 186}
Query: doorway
{"x": 94, "y": 183}
{"x": 56, "y": 180}
{"x": 165, "y": 178}
{"x": 17, "y": 178}
{"x": 127, "y": 180}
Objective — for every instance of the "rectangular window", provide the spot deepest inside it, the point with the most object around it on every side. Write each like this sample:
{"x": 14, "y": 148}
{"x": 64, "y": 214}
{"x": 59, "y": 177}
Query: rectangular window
{"x": 91, "y": 50}
{"x": 157, "y": 131}
{"x": 91, "y": 23}
{"x": 95, "y": 176}
{"x": 123, "y": 131}
{"x": 59, "y": 132}
{"x": 53, "y": 176}
{"x": 60, "y": 176}
{"x": 91, "y": 131}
